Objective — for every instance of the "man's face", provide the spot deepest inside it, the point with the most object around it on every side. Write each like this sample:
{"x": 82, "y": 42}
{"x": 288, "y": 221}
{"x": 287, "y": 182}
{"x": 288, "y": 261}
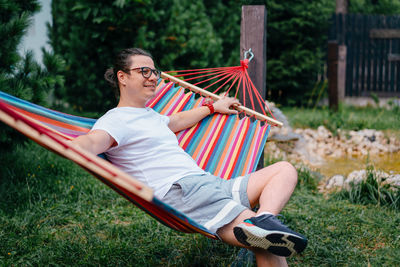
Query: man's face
{"x": 138, "y": 86}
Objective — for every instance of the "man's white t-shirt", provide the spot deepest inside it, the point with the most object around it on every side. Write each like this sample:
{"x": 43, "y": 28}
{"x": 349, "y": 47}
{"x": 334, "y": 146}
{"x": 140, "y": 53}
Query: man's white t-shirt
{"x": 146, "y": 148}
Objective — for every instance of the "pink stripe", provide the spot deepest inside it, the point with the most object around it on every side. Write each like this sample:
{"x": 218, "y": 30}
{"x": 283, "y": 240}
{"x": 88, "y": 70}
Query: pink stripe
{"x": 231, "y": 148}
{"x": 253, "y": 149}
{"x": 153, "y": 101}
{"x": 257, "y": 146}
{"x": 241, "y": 136}
{"x": 176, "y": 103}
{"x": 209, "y": 138}
{"x": 252, "y": 145}
{"x": 184, "y": 133}
{"x": 181, "y": 135}
{"x": 220, "y": 170}
{"x": 238, "y": 139}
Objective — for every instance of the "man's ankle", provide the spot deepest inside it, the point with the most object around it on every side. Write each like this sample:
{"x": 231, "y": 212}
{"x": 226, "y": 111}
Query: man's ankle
{"x": 264, "y": 213}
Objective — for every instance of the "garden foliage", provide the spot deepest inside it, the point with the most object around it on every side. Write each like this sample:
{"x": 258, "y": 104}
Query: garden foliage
{"x": 193, "y": 34}
{"x": 386, "y": 7}
{"x": 180, "y": 34}
{"x": 89, "y": 33}
{"x": 185, "y": 34}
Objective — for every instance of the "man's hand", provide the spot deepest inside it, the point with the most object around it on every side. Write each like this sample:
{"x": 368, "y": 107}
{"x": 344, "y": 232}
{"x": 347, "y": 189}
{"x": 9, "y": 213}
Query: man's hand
{"x": 188, "y": 118}
{"x": 225, "y": 105}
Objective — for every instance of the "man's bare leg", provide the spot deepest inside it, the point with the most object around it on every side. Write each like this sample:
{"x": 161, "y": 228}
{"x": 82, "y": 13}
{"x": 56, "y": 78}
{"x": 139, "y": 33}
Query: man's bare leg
{"x": 271, "y": 188}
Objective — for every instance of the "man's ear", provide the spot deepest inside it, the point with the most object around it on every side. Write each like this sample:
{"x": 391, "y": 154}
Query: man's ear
{"x": 121, "y": 76}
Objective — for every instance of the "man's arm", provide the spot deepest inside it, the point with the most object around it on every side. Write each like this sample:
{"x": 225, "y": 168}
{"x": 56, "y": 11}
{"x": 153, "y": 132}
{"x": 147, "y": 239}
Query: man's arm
{"x": 185, "y": 119}
{"x": 96, "y": 141}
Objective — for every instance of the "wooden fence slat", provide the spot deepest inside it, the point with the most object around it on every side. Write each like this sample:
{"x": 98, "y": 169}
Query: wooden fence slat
{"x": 387, "y": 66}
{"x": 374, "y": 51}
{"x": 384, "y": 33}
{"x": 381, "y": 56}
{"x": 363, "y": 52}
{"x": 357, "y": 38}
{"x": 396, "y": 47}
{"x": 369, "y": 57}
{"x": 392, "y": 24}
{"x": 352, "y": 57}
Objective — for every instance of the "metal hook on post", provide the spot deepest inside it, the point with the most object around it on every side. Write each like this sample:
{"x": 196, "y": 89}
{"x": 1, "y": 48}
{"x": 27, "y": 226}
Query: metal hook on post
{"x": 248, "y": 52}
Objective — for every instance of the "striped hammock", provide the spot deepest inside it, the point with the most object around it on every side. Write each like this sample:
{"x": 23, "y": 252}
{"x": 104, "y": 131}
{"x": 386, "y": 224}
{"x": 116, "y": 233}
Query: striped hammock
{"x": 238, "y": 141}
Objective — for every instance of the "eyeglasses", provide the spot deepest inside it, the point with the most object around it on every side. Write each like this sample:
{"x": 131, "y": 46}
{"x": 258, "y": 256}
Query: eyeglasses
{"x": 146, "y": 72}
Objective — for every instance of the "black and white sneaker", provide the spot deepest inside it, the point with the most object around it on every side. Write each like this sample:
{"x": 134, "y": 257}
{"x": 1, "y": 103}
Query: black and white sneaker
{"x": 267, "y": 232}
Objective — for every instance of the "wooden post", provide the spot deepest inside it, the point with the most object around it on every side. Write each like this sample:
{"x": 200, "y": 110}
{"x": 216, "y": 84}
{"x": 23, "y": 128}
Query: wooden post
{"x": 342, "y": 55}
{"x": 333, "y": 54}
{"x": 253, "y": 34}
{"x": 341, "y": 8}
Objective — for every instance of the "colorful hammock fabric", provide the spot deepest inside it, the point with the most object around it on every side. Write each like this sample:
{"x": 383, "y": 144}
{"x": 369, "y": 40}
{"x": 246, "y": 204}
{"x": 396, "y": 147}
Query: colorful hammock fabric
{"x": 238, "y": 141}
{"x": 52, "y": 130}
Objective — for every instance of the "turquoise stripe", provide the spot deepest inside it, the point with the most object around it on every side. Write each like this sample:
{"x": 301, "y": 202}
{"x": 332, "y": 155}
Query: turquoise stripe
{"x": 261, "y": 148}
{"x": 220, "y": 144}
{"x": 244, "y": 151}
{"x": 48, "y": 113}
{"x": 190, "y": 104}
{"x": 194, "y": 142}
{"x": 165, "y": 99}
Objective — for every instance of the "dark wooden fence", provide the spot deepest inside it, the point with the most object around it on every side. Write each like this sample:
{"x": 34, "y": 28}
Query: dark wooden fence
{"x": 373, "y": 53}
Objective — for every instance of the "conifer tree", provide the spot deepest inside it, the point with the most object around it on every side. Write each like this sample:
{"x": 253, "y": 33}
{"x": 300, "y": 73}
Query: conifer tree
{"x": 22, "y": 76}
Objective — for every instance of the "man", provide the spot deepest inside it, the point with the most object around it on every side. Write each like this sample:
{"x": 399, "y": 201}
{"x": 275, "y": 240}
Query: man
{"x": 142, "y": 143}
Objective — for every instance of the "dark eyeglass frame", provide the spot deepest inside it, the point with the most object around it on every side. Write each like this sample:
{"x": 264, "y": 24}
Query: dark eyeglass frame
{"x": 147, "y": 71}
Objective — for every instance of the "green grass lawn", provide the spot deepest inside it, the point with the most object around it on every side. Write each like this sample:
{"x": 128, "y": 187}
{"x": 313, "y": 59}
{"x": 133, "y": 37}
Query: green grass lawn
{"x": 347, "y": 117}
{"x": 54, "y": 213}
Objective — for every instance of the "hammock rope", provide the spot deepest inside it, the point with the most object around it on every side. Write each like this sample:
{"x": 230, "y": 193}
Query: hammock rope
{"x": 214, "y": 80}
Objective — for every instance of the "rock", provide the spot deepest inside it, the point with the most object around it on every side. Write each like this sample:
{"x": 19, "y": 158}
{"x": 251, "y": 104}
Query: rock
{"x": 335, "y": 181}
{"x": 393, "y": 180}
{"x": 353, "y": 143}
{"x": 355, "y": 177}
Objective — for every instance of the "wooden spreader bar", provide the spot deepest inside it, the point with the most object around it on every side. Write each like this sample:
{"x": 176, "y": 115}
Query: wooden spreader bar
{"x": 215, "y": 97}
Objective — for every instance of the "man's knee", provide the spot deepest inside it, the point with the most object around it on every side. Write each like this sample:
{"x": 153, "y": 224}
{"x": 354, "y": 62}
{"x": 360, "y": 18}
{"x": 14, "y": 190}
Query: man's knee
{"x": 288, "y": 170}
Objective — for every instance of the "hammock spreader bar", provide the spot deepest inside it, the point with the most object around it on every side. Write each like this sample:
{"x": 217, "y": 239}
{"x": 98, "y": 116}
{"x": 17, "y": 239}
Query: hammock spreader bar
{"x": 215, "y": 97}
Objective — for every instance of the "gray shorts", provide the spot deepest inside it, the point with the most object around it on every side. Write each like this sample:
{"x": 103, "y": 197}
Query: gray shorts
{"x": 209, "y": 200}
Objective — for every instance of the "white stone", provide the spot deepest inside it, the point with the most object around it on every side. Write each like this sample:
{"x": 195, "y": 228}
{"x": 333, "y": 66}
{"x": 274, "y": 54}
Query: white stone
{"x": 355, "y": 177}
{"x": 335, "y": 181}
{"x": 393, "y": 180}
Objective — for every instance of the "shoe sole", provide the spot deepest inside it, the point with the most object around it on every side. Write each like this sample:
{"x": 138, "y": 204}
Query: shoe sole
{"x": 277, "y": 242}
